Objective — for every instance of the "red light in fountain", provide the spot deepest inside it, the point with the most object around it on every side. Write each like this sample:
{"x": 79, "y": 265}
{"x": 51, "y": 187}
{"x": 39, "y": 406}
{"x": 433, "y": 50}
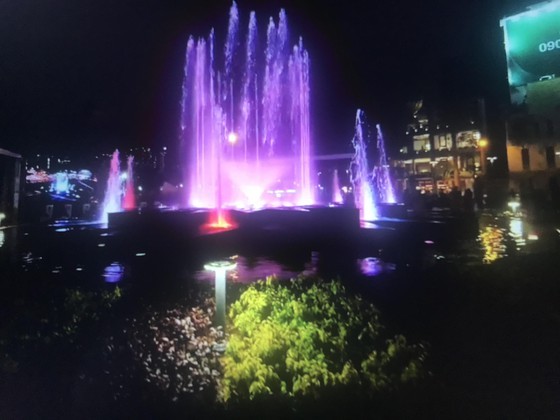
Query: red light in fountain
{"x": 129, "y": 201}
{"x": 219, "y": 221}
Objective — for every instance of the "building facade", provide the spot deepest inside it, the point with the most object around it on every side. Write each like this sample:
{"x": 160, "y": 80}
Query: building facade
{"x": 10, "y": 186}
{"x": 441, "y": 153}
{"x": 532, "y": 43}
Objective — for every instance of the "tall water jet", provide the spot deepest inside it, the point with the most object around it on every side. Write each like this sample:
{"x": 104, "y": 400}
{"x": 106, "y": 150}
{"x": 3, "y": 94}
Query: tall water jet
{"x": 113, "y": 194}
{"x": 384, "y": 186}
{"x": 129, "y": 200}
{"x": 245, "y": 129}
{"x": 336, "y": 192}
{"x": 359, "y": 174}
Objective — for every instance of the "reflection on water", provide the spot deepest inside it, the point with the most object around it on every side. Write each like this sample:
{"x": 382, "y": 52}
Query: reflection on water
{"x": 249, "y": 270}
{"x": 503, "y": 235}
{"x": 516, "y": 232}
{"x": 2, "y": 238}
{"x": 493, "y": 243}
{"x": 371, "y": 266}
{"x": 29, "y": 260}
{"x": 113, "y": 273}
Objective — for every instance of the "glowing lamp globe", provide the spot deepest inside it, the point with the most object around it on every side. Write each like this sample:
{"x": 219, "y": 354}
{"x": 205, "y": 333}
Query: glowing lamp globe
{"x": 514, "y": 205}
{"x": 232, "y": 138}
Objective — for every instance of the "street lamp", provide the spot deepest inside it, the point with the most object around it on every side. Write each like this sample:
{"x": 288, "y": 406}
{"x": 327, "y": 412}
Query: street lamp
{"x": 219, "y": 268}
{"x": 514, "y": 205}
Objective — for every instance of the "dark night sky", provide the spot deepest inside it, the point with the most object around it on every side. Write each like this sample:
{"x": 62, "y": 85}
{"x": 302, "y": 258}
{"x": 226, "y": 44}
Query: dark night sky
{"x": 97, "y": 74}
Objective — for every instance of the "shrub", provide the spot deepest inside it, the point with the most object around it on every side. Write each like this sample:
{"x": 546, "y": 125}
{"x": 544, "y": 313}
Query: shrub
{"x": 303, "y": 338}
{"x": 176, "y": 350}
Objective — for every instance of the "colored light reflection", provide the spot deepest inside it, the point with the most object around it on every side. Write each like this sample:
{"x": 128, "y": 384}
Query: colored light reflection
{"x": 371, "y": 266}
{"x": 493, "y": 244}
{"x": 249, "y": 270}
{"x": 113, "y": 273}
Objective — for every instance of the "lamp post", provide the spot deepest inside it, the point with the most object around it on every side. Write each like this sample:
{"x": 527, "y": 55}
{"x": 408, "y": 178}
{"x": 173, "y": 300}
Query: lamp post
{"x": 219, "y": 268}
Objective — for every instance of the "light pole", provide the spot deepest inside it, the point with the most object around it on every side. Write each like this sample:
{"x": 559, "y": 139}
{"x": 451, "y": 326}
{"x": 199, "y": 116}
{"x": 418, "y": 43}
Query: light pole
{"x": 219, "y": 268}
{"x": 482, "y": 146}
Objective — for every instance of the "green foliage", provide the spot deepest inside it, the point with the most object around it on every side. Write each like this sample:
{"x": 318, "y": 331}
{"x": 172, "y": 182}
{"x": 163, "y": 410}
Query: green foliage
{"x": 303, "y": 338}
{"x": 80, "y": 307}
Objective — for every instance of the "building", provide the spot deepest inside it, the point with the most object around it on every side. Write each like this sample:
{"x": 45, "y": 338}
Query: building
{"x": 532, "y": 43}
{"x": 10, "y": 186}
{"x": 442, "y": 150}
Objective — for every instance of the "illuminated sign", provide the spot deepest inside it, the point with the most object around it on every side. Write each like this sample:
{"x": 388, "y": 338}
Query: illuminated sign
{"x": 532, "y": 42}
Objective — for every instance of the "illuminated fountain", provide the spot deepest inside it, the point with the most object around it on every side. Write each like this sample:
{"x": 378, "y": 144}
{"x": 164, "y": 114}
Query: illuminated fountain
{"x": 371, "y": 189}
{"x": 245, "y": 125}
{"x": 118, "y": 197}
{"x": 129, "y": 200}
{"x": 383, "y": 184}
{"x": 245, "y": 141}
{"x": 336, "y": 192}
{"x": 113, "y": 194}
{"x": 360, "y": 176}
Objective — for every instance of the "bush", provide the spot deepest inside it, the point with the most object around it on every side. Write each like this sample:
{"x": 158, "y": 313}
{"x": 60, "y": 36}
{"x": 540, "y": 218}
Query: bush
{"x": 176, "y": 350}
{"x": 303, "y": 339}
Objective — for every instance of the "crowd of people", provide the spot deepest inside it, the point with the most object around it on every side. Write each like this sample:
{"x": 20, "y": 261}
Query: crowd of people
{"x": 454, "y": 200}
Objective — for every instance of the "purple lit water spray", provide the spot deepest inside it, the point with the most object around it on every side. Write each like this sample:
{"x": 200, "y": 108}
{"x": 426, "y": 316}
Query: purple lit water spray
{"x": 113, "y": 194}
{"x": 369, "y": 188}
{"x": 336, "y": 192}
{"x": 119, "y": 195}
{"x": 129, "y": 198}
{"x": 383, "y": 184}
{"x": 245, "y": 127}
{"x": 360, "y": 175}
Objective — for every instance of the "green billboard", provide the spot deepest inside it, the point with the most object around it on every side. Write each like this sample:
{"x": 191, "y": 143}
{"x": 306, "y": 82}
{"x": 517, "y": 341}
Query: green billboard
{"x": 532, "y": 42}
